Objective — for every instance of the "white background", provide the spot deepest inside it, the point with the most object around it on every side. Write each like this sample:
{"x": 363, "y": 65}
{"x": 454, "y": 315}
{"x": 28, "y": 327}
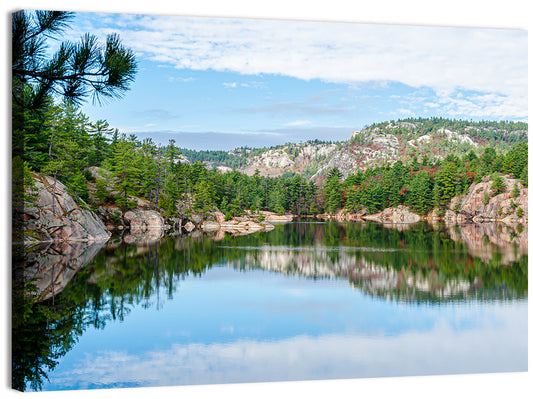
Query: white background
{"x": 516, "y": 14}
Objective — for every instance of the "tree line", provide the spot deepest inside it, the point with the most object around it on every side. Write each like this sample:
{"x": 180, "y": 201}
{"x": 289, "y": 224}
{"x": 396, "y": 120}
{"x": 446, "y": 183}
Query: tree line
{"x": 65, "y": 145}
{"x": 421, "y": 185}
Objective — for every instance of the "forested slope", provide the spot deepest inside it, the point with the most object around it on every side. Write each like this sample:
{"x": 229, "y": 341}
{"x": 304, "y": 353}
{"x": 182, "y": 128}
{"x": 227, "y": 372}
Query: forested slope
{"x": 389, "y": 165}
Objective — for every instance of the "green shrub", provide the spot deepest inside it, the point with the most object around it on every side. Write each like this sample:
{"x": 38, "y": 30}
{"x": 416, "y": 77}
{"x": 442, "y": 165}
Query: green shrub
{"x": 516, "y": 191}
{"x": 498, "y": 184}
{"x": 88, "y": 175}
{"x": 457, "y": 207}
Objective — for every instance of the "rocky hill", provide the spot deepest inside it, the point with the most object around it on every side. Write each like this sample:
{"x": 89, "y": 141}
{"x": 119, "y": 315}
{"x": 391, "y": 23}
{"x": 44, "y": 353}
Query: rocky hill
{"x": 301, "y": 158}
{"x": 374, "y": 145}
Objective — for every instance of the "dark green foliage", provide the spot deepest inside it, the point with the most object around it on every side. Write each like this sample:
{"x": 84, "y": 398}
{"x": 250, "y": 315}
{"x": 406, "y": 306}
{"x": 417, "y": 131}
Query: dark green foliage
{"x": 523, "y": 176}
{"x": 332, "y": 190}
{"x": 125, "y": 165}
{"x": 100, "y": 147}
{"x": 74, "y": 71}
{"x": 420, "y": 193}
{"x": 63, "y": 143}
{"x": 155, "y": 173}
{"x": 515, "y": 161}
{"x": 446, "y": 182}
{"x": 497, "y": 185}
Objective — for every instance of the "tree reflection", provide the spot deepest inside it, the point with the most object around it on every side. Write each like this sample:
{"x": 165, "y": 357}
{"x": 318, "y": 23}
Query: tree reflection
{"x": 421, "y": 263}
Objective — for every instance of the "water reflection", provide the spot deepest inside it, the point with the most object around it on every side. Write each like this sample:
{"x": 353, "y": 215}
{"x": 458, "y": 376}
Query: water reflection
{"x": 306, "y": 357}
{"x": 417, "y": 263}
{"x": 85, "y": 288}
{"x": 50, "y": 267}
{"x": 461, "y": 261}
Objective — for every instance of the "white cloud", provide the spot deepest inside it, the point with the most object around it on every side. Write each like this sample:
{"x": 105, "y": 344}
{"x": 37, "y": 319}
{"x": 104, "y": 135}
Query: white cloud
{"x": 444, "y": 59}
{"x": 249, "y": 85}
{"x": 182, "y": 80}
{"x": 405, "y": 112}
{"x": 297, "y": 123}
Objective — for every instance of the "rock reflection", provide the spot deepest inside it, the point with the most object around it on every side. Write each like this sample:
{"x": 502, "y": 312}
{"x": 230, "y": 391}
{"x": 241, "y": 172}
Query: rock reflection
{"x": 489, "y": 261}
{"x": 50, "y": 267}
{"x": 483, "y": 238}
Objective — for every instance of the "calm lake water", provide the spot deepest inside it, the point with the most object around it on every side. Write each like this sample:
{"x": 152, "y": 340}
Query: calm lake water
{"x": 307, "y": 300}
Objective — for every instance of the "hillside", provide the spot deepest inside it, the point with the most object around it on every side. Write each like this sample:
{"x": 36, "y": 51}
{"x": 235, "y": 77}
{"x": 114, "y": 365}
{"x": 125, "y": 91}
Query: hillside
{"x": 372, "y": 146}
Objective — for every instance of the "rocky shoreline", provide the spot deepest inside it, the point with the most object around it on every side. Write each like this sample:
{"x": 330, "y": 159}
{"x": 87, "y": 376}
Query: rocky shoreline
{"x": 478, "y": 205}
{"x": 54, "y": 216}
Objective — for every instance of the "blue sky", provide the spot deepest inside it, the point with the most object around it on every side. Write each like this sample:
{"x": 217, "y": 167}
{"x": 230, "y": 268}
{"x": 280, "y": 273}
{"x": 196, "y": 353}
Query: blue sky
{"x": 221, "y": 83}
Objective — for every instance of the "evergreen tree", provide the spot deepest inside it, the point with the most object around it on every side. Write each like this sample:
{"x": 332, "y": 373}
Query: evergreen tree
{"x": 204, "y": 197}
{"x": 74, "y": 71}
{"x": 446, "y": 182}
{"x": 498, "y": 184}
{"x": 332, "y": 191}
{"x": 419, "y": 197}
{"x": 353, "y": 199}
{"x": 67, "y": 148}
{"x": 515, "y": 160}
{"x": 125, "y": 163}
{"x": 99, "y": 149}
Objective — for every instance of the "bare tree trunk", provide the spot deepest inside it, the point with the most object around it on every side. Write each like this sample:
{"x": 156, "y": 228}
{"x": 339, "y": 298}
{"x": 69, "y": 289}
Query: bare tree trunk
{"x": 50, "y": 146}
{"x": 53, "y": 194}
{"x": 158, "y": 190}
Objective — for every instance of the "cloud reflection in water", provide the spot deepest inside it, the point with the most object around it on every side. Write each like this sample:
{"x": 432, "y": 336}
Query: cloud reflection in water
{"x": 442, "y": 350}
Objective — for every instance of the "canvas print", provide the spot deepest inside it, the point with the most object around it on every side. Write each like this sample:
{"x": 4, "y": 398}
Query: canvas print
{"x": 224, "y": 200}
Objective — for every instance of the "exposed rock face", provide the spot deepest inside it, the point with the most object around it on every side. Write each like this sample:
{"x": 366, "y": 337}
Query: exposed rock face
{"x": 371, "y": 146}
{"x": 296, "y": 157}
{"x": 55, "y": 216}
{"x": 478, "y": 205}
{"x": 145, "y": 226}
{"x": 342, "y": 216}
{"x": 189, "y": 226}
{"x": 503, "y": 207}
{"x": 210, "y": 225}
{"x": 143, "y": 219}
{"x": 400, "y": 214}
{"x": 219, "y": 216}
{"x": 236, "y": 227}
{"x": 272, "y": 217}
{"x": 374, "y": 147}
